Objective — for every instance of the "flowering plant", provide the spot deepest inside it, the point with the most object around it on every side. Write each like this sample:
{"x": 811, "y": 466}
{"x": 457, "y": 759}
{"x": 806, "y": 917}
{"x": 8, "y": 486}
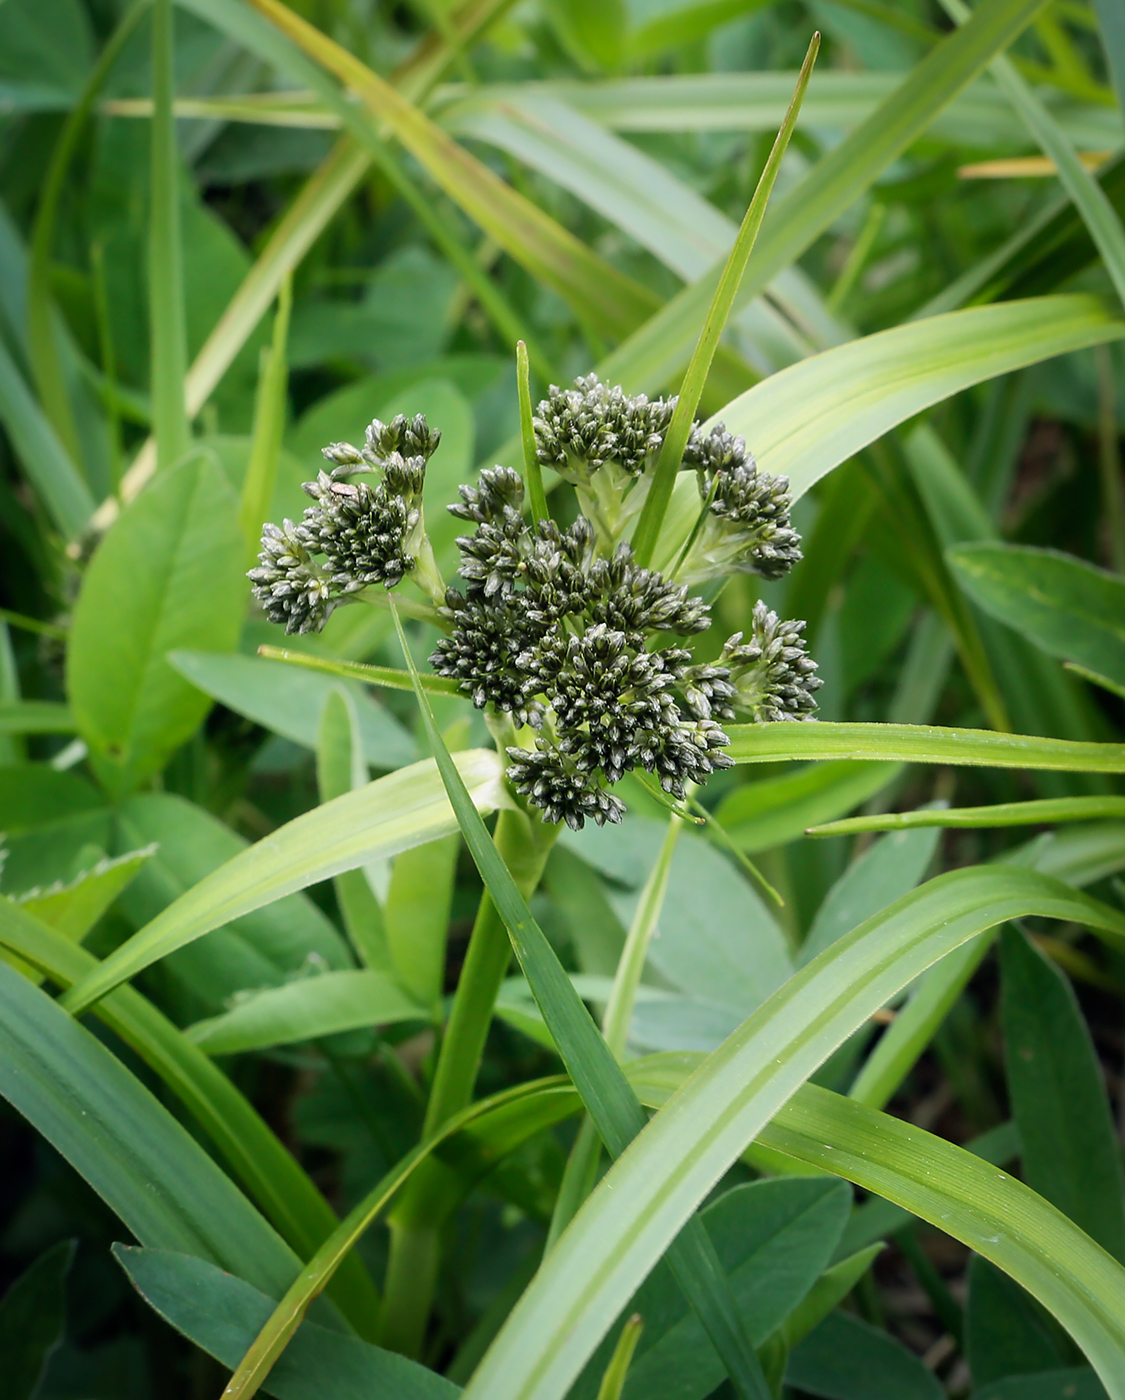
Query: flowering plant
{"x": 577, "y": 654}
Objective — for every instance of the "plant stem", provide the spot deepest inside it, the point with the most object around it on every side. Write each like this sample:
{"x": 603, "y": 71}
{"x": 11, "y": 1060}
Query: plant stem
{"x": 1109, "y": 459}
{"x": 433, "y": 1192}
{"x": 582, "y": 1164}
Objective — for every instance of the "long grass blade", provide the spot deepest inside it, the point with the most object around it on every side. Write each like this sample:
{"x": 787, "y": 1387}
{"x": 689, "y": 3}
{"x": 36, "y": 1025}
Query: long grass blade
{"x": 269, "y": 427}
{"x": 730, "y": 1098}
{"x": 919, "y": 743}
{"x": 537, "y": 497}
{"x": 167, "y": 318}
{"x": 691, "y": 391}
{"x": 1040, "y": 812}
{"x": 1089, "y": 198}
{"x": 653, "y": 356}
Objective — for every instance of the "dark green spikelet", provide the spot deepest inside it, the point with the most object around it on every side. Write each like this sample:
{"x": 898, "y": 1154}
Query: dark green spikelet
{"x": 772, "y": 674}
{"x": 364, "y": 528}
{"x": 747, "y": 528}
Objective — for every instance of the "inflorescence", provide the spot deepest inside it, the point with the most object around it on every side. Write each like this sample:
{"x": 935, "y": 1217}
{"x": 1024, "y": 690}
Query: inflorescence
{"x": 559, "y": 629}
{"x": 363, "y": 534}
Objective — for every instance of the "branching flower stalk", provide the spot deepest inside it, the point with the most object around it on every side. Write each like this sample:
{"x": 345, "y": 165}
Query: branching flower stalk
{"x": 582, "y": 661}
{"x": 575, "y": 652}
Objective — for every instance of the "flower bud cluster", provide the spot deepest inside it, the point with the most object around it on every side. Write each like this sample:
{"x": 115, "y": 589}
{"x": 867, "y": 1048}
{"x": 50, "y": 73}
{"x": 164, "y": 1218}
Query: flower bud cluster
{"x": 558, "y": 636}
{"x": 356, "y": 534}
{"x": 606, "y": 444}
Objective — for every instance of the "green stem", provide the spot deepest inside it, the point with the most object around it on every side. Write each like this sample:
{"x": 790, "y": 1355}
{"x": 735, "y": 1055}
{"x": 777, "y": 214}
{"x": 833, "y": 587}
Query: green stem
{"x": 537, "y": 496}
{"x": 417, "y": 1218}
{"x": 524, "y": 847}
{"x": 582, "y": 1164}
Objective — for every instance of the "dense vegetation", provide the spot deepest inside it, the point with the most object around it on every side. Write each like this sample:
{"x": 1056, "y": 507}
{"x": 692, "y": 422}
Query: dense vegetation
{"x": 269, "y": 843}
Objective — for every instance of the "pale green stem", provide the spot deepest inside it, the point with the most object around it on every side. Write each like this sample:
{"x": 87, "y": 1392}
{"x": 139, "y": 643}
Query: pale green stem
{"x": 581, "y": 1167}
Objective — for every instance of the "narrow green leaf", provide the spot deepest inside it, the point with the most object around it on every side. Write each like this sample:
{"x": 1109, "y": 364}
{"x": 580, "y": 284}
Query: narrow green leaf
{"x": 33, "y": 1320}
{"x": 533, "y": 473}
{"x": 1039, "y": 812}
{"x": 53, "y": 476}
{"x": 1070, "y": 1150}
{"x": 830, "y": 1289}
{"x": 168, "y": 574}
{"x": 807, "y": 419}
{"x": 42, "y": 327}
{"x": 654, "y": 355}
{"x": 1067, "y": 607}
{"x": 919, "y": 743}
{"x": 390, "y": 677}
{"x": 695, "y": 378}
{"x": 75, "y": 908}
{"x": 1111, "y": 25}
{"x": 401, "y": 810}
{"x": 136, "y": 1156}
{"x": 269, "y": 427}
{"x": 1089, "y": 198}
{"x": 341, "y": 767}
{"x": 613, "y": 1382}
{"x": 168, "y": 325}
{"x": 646, "y": 1196}
{"x": 266, "y": 1169}
{"x": 419, "y": 902}
{"x": 320, "y": 1005}
{"x": 36, "y": 717}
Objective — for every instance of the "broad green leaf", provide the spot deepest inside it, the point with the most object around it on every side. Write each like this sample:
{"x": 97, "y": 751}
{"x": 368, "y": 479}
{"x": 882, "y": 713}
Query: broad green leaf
{"x": 390, "y": 815}
{"x": 886, "y": 871}
{"x": 342, "y": 767}
{"x": 1080, "y": 856}
{"x": 919, "y": 743}
{"x": 1070, "y": 1150}
{"x": 846, "y": 1358}
{"x": 33, "y": 1320}
{"x": 260, "y": 948}
{"x": 222, "y": 1313}
{"x": 168, "y": 575}
{"x": 772, "y": 811}
{"x": 807, "y": 419}
{"x": 1073, "y": 1383}
{"x": 269, "y": 1173}
{"x": 320, "y": 1005}
{"x": 1071, "y": 609}
{"x": 645, "y": 1197}
{"x": 773, "y": 1238}
{"x": 49, "y": 819}
{"x": 1006, "y": 1332}
{"x": 35, "y": 717}
{"x": 831, "y": 1288}
{"x": 74, "y": 909}
{"x": 146, "y": 1167}
{"x": 290, "y": 702}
